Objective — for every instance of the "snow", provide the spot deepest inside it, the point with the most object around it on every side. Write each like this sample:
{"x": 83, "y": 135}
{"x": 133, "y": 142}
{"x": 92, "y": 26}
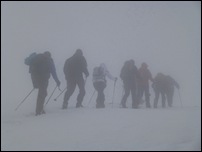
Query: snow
{"x": 165, "y": 35}
{"x": 103, "y": 129}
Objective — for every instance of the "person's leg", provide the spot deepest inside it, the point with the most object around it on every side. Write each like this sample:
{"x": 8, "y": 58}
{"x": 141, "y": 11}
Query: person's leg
{"x": 96, "y": 86}
{"x": 82, "y": 92}
{"x": 147, "y": 96}
{"x": 102, "y": 96}
{"x": 134, "y": 97}
{"x": 126, "y": 94}
{"x": 42, "y": 93}
{"x": 140, "y": 94}
{"x": 71, "y": 85}
{"x": 99, "y": 86}
{"x": 156, "y": 98}
{"x": 163, "y": 99}
{"x": 170, "y": 98}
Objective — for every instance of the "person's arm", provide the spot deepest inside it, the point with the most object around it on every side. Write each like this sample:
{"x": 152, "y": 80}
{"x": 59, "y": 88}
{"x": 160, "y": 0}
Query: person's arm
{"x": 137, "y": 73}
{"x": 53, "y": 73}
{"x": 108, "y": 74}
{"x": 176, "y": 84}
{"x": 150, "y": 76}
{"x": 85, "y": 70}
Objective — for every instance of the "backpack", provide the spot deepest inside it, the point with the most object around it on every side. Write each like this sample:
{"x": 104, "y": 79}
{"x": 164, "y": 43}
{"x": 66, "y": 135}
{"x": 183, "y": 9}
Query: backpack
{"x": 30, "y": 58}
{"x": 38, "y": 64}
{"x": 98, "y": 74}
{"x": 125, "y": 71}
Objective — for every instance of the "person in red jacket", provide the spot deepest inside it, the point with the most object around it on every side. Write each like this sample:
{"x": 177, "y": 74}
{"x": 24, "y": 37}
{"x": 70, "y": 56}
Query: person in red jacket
{"x": 143, "y": 84}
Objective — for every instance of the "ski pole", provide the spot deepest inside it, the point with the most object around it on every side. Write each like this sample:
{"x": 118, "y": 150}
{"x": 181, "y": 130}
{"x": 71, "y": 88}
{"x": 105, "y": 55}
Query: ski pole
{"x": 24, "y": 99}
{"x": 51, "y": 95}
{"x": 122, "y": 94}
{"x": 91, "y": 98}
{"x": 180, "y": 97}
{"x": 60, "y": 94}
{"x": 113, "y": 93}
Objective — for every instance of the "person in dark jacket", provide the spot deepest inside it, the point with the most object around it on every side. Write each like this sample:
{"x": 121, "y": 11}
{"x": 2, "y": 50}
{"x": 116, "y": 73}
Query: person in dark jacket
{"x": 129, "y": 75}
{"x": 171, "y": 84}
{"x": 100, "y": 83}
{"x": 143, "y": 84}
{"x": 164, "y": 85}
{"x": 40, "y": 68}
{"x": 74, "y": 68}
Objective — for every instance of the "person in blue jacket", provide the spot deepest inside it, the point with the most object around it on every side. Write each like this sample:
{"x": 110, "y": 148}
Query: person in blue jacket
{"x": 41, "y": 66}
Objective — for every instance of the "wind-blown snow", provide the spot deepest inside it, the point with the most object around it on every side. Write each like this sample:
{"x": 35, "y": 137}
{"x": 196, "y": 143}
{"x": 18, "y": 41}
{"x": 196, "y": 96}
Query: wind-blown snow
{"x": 165, "y": 35}
{"x": 104, "y": 129}
{"x": 112, "y": 128}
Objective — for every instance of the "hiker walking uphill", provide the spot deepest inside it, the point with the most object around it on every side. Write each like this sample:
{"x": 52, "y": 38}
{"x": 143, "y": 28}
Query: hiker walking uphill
{"x": 164, "y": 85}
{"x": 129, "y": 75}
{"x": 74, "y": 68}
{"x": 143, "y": 84}
{"x": 40, "y": 68}
{"x": 100, "y": 83}
{"x": 171, "y": 84}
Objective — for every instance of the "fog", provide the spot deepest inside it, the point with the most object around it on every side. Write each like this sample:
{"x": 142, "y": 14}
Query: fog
{"x": 165, "y": 35}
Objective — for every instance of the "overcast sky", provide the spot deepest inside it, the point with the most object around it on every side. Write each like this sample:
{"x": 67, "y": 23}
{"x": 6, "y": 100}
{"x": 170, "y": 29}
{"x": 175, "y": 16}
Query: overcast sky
{"x": 166, "y": 35}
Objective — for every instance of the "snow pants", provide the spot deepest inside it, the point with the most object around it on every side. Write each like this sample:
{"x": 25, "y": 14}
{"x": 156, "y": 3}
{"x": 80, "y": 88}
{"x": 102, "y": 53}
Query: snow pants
{"x": 99, "y": 87}
{"x": 144, "y": 89}
{"x": 42, "y": 93}
{"x": 130, "y": 87}
{"x": 71, "y": 85}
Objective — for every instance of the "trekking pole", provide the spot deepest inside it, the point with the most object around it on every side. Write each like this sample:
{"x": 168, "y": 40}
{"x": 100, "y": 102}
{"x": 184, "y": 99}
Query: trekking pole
{"x": 59, "y": 88}
{"x": 113, "y": 93}
{"x": 24, "y": 99}
{"x": 180, "y": 97}
{"x": 122, "y": 95}
{"x": 91, "y": 98}
{"x": 51, "y": 95}
{"x": 60, "y": 94}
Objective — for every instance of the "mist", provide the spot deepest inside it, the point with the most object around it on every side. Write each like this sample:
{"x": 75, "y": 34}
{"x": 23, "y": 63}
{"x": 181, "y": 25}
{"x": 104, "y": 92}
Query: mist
{"x": 165, "y": 35}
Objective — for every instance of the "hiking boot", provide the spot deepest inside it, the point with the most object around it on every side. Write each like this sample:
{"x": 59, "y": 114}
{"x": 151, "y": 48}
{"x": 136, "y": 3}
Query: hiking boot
{"x": 135, "y": 107}
{"x": 43, "y": 112}
{"x": 148, "y": 106}
{"x": 100, "y": 106}
{"x": 37, "y": 114}
{"x": 123, "y": 105}
{"x": 64, "y": 106}
{"x": 79, "y": 105}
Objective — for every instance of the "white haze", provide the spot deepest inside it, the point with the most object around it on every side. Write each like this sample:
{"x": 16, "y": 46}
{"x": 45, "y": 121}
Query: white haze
{"x": 165, "y": 35}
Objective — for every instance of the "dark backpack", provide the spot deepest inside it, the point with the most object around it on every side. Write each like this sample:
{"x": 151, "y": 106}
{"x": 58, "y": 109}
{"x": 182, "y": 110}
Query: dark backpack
{"x": 30, "y": 58}
{"x": 125, "y": 71}
{"x": 74, "y": 66}
{"x": 39, "y": 64}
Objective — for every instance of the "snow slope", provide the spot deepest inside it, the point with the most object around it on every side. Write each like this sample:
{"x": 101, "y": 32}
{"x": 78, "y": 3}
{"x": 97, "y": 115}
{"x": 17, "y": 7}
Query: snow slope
{"x": 165, "y": 35}
{"x": 103, "y": 129}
